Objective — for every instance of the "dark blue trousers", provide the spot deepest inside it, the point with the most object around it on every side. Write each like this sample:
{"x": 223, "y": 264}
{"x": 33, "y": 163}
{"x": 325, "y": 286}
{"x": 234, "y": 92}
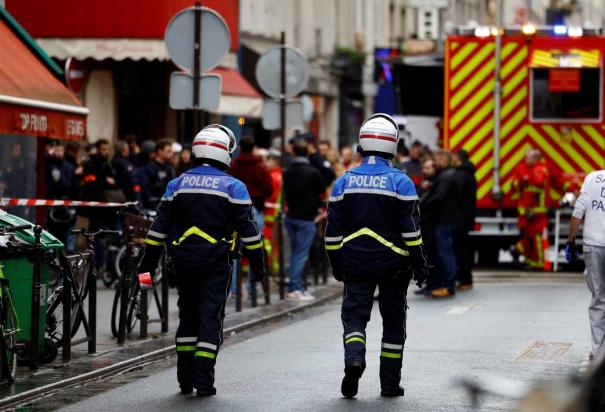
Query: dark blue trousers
{"x": 357, "y": 306}
{"x": 202, "y": 296}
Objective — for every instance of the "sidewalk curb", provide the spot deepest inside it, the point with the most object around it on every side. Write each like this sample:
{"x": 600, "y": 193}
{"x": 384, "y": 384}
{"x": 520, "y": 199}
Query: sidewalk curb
{"x": 32, "y": 394}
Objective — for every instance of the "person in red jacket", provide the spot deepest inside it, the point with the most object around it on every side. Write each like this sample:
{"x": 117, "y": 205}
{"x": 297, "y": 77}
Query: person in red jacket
{"x": 531, "y": 182}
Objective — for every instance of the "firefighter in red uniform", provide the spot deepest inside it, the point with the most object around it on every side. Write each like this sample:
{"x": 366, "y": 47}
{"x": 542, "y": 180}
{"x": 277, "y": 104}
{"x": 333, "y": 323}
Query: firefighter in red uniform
{"x": 272, "y": 207}
{"x": 531, "y": 182}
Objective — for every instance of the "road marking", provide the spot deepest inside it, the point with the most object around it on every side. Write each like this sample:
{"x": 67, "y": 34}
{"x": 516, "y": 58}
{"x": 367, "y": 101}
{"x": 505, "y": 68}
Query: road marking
{"x": 460, "y": 309}
{"x": 543, "y": 351}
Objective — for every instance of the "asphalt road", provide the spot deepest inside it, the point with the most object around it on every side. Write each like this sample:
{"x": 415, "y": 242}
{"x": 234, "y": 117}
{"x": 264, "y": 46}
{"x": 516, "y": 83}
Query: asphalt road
{"x": 525, "y": 331}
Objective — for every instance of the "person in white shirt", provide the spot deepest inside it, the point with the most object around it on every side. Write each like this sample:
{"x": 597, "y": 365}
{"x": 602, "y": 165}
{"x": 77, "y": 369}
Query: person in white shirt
{"x": 590, "y": 206}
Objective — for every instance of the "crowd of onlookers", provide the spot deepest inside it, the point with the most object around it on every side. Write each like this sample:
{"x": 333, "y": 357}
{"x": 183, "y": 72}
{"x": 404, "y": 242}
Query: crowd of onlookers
{"x": 129, "y": 171}
{"x": 122, "y": 172}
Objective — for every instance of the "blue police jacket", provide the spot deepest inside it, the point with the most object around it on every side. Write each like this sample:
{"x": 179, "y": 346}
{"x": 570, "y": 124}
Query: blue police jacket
{"x": 202, "y": 215}
{"x": 373, "y": 221}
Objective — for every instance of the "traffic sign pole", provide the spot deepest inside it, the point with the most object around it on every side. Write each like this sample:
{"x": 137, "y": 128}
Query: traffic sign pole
{"x": 282, "y": 103}
{"x": 196, "y": 67}
{"x": 197, "y": 39}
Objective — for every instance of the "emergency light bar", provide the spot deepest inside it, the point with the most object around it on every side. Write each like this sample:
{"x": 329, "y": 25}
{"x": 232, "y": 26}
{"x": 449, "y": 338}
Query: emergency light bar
{"x": 527, "y": 30}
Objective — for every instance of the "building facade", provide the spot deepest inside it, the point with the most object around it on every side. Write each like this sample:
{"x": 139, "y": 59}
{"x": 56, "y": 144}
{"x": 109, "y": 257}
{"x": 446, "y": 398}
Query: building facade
{"x": 127, "y": 66}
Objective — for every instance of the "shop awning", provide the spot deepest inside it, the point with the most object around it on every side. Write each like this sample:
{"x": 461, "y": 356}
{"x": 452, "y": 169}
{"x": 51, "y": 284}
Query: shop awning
{"x": 547, "y": 58}
{"x": 32, "y": 101}
{"x": 101, "y": 49}
{"x": 238, "y": 97}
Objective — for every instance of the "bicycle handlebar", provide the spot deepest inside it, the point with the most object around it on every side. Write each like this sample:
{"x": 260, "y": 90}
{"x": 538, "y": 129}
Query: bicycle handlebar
{"x": 86, "y": 233}
{"x": 13, "y": 229}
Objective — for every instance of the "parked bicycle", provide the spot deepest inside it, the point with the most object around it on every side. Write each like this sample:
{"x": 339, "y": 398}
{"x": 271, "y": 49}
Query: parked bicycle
{"x": 9, "y": 322}
{"x": 131, "y": 216}
{"x": 131, "y": 282}
{"x": 78, "y": 270}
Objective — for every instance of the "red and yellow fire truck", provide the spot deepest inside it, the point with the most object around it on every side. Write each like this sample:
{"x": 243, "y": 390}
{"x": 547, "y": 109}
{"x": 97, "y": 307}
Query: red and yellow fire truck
{"x": 509, "y": 90}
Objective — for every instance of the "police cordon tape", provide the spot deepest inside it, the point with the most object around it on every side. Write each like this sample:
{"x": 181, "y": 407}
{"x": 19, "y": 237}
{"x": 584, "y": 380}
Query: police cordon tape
{"x": 4, "y": 202}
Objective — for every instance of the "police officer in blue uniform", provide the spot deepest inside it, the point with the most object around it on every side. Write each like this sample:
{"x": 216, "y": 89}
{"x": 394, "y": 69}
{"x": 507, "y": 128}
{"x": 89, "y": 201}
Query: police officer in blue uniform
{"x": 202, "y": 215}
{"x": 373, "y": 240}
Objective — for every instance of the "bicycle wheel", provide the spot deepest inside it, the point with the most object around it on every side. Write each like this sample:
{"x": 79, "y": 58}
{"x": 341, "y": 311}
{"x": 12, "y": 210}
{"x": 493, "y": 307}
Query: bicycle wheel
{"x": 54, "y": 314}
{"x": 9, "y": 342}
{"x": 115, "y": 310}
{"x": 134, "y": 306}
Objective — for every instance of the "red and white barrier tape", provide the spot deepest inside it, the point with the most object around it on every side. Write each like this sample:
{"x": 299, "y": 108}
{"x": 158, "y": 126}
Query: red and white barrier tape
{"x": 4, "y": 202}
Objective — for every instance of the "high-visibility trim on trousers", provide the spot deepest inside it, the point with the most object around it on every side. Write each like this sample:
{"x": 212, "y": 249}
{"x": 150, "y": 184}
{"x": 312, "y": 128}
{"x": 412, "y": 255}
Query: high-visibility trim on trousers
{"x": 355, "y": 339}
{"x": 204, "y": 354}
{"x": 186, "y": 348}
{"x": 392, "y": 346}
{"x": 390, "y": 355}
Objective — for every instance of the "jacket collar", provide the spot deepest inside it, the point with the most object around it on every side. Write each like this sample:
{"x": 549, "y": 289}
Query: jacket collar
{"x": 375, "y": 160}
{"x": 205, "y": 170}
{"x": 373, "y": 165}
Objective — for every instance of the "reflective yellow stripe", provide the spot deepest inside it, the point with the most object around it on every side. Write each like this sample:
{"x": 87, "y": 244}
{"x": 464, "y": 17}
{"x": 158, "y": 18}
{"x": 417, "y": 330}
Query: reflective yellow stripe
{"x": 390, "y": 355}
{"x": 194, "y": 230}
{"x": 233, "y": 241}
{"x": 203, "y": 354}
{"x": 413, "y": 242}
{"x": 190, "y": 348}
{"x": 355, "y": 340}
{"x": 371, "y": 233}
{"x": 153, "y": 242}
{"x": 539, "y": 248}
{"x": 534, "y": 189}
{"x": 334, "y": 247}
{"x": 254, "y": 246}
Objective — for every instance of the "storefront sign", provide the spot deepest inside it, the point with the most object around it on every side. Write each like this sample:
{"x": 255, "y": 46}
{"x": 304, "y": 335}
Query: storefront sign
{"x": 16, "y": 120}
{"x": 564, "y": 80}
{"x": 31, "y": 122}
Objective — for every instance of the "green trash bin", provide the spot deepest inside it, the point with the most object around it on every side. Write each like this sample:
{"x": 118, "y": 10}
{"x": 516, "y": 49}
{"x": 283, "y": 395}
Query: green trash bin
{"x": 19, "y": 272}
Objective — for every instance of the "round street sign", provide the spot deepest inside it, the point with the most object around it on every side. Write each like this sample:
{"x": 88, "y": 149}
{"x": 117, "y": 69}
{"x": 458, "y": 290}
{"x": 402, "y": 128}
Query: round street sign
{"x": 268, "y": 72}
{"x": 215, "y": 39}
{"x": 75, "y": 75}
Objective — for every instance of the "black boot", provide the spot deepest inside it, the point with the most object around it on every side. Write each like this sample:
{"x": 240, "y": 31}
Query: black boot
{"x": 186, "y": 389}
{"x": 392, "y": 392}
{"x": 350, "y": 383}
{"x": 206, "y": 391}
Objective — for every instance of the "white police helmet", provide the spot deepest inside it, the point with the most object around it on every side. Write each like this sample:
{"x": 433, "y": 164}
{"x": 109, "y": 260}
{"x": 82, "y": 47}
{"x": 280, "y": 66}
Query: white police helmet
{"x": 214, "y": 142}
{"x": 379, "y": 133}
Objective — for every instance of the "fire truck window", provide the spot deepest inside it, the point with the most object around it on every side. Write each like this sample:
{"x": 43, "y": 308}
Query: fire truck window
{"x": 566, "y": 93}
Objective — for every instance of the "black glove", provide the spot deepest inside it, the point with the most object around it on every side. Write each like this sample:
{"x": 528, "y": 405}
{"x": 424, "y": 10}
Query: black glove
{"x": 259, "y": 274}
{"x": 420, "y": 275}
{"x": 337, "y": 275}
